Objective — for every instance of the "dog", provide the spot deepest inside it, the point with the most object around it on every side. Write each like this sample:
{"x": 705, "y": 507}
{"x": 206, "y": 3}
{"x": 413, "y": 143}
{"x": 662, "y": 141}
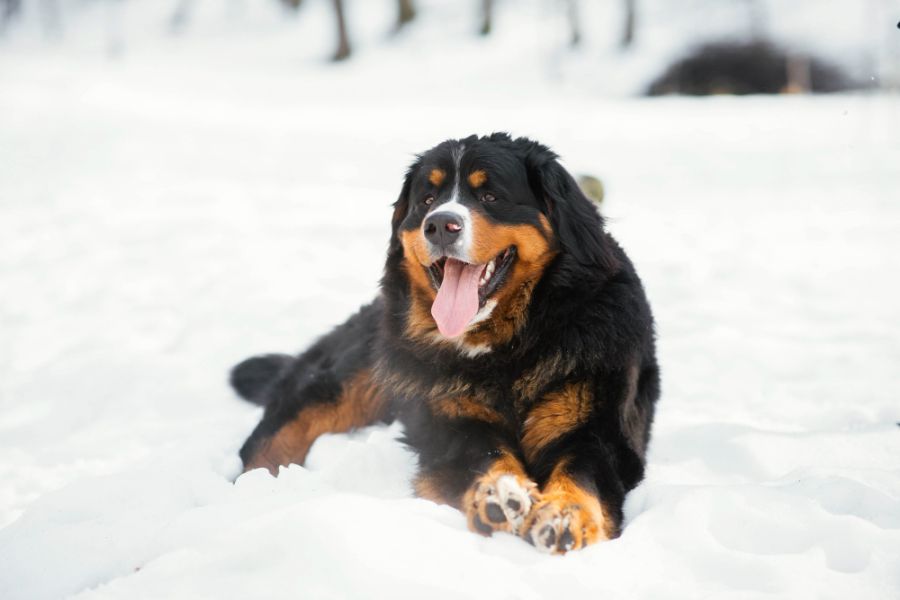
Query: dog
{"x": 512, "y": 338}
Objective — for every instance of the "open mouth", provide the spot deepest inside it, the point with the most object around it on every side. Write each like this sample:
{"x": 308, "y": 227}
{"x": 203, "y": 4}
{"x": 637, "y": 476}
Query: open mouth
{"x": 492, "y": 276}
{"x": 463, "y": 289}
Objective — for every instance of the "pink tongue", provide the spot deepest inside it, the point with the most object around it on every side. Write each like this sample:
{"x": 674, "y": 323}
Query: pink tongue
{"x": 457, "y": 300}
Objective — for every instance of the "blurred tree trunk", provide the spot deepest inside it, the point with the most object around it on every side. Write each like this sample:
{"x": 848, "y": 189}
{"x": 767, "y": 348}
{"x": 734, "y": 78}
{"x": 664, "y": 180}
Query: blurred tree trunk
{"x": 406, "y": 12}
{"x": 574, "y": 28}
{"x": 9, "y": 9}
{"x": 179, "y": 19}
{"x": 51, "y": 16}
{"x": 487, "y": 16}
{"x": 343, "y": 49}
{"x": 629, "y": 24}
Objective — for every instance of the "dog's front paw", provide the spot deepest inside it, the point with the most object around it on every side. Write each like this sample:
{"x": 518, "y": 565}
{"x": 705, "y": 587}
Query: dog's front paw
{"x": 499, "y": 502}
{"x": 561, "y": 522}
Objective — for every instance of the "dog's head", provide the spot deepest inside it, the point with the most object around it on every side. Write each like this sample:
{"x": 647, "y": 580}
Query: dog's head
{"x": 479, "y": 221}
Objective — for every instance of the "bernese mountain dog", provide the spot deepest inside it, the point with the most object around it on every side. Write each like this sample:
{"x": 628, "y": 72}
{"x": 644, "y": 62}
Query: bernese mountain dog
{"x": 512, "y": 338}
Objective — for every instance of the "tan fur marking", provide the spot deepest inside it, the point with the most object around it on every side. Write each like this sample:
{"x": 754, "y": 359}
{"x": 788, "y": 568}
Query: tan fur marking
{"x": 562, "y": 485}
{"x": 587, "y": 520}
{"x": 360, "y": 403}
{"x": 465, "y": 407}
{"x": 534, "y": 252}
{"x": 436, "y": 177}
{"x": 490, "y": 239}
{"x": 475, "y": 500}
{"x": 415, "y": 258}
{"x": 506, "y": 463}
{"x": 477, "y": 178}
{"x": 415, "y": 249}
{"x": 557, "y": 414}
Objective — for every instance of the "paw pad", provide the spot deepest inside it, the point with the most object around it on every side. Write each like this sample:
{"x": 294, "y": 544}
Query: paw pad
{"x": 556, "y": 526}
{"x": 501, "y": 503}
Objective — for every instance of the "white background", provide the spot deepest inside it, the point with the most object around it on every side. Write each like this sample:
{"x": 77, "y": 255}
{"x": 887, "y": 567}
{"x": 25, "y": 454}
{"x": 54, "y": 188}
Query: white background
{"x": 197, "y": 198}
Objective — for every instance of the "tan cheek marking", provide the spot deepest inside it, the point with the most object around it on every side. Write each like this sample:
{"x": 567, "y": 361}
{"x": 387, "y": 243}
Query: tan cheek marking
{"x": 415, "y": 257}
{"x": 534, "y": 253}
{"x": 477, "y": 178}
{"x": 558, "y": 413}
{"x": 436, "y": 177}
{"x": 490, "y": 239}
{"x": 414, "y": 247}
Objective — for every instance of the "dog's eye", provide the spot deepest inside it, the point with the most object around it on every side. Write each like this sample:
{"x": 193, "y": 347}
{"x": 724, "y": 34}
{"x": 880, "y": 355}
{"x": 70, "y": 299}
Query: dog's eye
{"x": 487, "y": 198}
{"x": 428, "y": 199}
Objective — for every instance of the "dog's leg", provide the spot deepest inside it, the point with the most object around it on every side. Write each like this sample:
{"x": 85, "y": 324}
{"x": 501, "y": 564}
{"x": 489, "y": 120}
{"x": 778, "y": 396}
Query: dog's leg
{"x": 328, "y": 389}
{"x": 574, "y": 442}
{"x": 467, "y": 459}
{"x": 284, "y": 437}
{"x": 500, "y": 498}
{"x": 570, "y": 513}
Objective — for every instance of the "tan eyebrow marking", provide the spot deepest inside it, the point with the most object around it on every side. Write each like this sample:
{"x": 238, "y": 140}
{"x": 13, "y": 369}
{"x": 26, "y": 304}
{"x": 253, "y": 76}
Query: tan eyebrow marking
{"x": 477, "y": 178}
{"x": 436, "y": 177}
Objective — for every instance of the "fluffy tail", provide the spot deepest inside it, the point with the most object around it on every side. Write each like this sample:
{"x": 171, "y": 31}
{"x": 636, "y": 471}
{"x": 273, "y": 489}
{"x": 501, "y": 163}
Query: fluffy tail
{"x": 253, "y": 377}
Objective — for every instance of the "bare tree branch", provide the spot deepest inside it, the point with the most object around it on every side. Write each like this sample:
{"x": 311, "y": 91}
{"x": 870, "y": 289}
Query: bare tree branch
{"x": 574, "y": 26}
{"x": 629, "y": 24}
{"x": 343, "y": 49}
{"x": 406, "y": 12}
{"x": 487, "y": 16}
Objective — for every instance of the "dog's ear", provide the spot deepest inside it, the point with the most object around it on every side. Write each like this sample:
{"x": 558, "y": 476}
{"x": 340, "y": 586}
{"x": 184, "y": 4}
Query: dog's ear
{"x": 401, "y": 206}
{"x": 577, "y": 224}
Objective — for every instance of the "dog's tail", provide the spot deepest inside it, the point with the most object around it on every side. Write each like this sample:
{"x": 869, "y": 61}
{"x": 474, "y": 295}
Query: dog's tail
{"x": 253, "y": 377}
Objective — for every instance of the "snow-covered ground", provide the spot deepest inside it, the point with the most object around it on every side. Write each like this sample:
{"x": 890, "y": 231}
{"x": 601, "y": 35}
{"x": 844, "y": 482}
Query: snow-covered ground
{"x": 202, "y": 198}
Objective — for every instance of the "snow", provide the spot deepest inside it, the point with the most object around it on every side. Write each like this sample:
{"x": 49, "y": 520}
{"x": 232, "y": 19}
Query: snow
{"x": 201, "y": 198}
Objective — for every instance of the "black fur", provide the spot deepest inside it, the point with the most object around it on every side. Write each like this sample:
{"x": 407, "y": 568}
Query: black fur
{"x": 251, "y": 378}
{"x": 587, "y": 322}
{"x": 315, "y": 376}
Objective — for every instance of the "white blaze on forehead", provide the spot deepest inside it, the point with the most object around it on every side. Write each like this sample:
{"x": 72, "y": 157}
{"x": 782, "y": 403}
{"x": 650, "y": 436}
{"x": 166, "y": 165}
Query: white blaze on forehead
{"x": 453, "y": 206}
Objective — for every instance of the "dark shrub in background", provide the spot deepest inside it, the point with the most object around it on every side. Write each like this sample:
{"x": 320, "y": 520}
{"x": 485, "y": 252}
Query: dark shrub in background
{"x": 757, "y": 67}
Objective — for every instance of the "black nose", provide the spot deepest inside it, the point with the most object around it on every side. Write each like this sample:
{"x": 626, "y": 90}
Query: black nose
{"x": 442, "y": 229}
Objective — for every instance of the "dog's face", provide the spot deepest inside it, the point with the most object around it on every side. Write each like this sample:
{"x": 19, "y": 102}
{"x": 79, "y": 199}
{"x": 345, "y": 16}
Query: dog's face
{"x": 476, "y": 237}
